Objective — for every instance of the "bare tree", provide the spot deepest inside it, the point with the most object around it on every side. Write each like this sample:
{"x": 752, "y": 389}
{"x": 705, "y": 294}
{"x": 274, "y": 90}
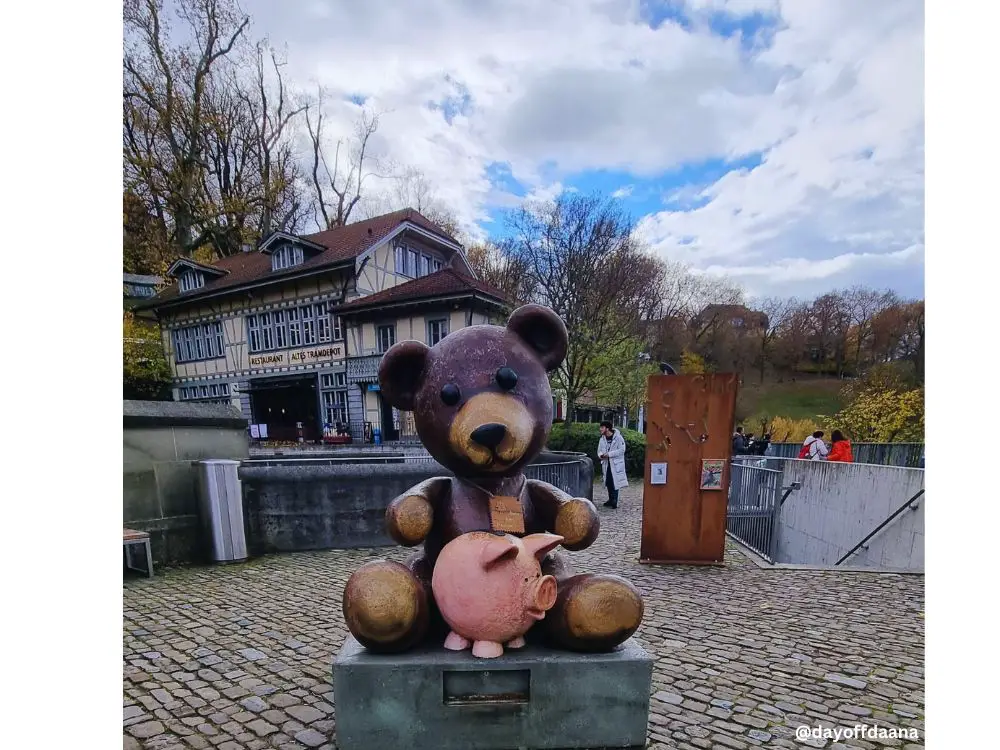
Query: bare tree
{"x": 584, "y": 263}
{"x": 410, "y": 188}
{"x": 863, "y": 305}
{"x": 496, "y": 264}
{"x": 252, "y": 172}
{"x": 778, "y": 312}
{"x": 339, "y": 182}
{"x": 166, "y": 105}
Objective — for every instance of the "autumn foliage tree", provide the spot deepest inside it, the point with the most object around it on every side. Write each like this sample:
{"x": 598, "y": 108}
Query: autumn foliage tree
{"x": 146, "y": 373}
{"x": 885, "y": 406}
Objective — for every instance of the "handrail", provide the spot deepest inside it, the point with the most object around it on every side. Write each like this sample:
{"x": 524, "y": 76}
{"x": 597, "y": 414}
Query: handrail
{"x": 881, "y": 526}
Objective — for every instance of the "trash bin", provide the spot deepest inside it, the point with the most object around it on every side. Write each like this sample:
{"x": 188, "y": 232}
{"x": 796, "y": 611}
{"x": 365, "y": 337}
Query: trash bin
{"x": 220, "y": 500}
{"x": 378, "y": 436}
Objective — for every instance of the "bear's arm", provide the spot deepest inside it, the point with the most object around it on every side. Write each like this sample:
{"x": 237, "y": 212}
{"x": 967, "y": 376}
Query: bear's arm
{"x": 409, "y": 517}
{"x": 573, "y": 518}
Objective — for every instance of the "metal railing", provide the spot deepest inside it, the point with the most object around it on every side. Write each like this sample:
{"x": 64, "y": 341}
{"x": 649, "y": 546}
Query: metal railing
{"x": 886, "y": 454}
{"x": 754, "y": 505}
{"x": 363, "y": 369}
{"x": 564, "y": 475}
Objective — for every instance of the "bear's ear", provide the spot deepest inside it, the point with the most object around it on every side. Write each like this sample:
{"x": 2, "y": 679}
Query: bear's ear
{"x": 401, "y": 371}
{"x": 542, "y": 330}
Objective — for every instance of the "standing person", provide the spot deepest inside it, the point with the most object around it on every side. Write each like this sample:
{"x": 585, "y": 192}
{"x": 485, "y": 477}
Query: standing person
{"x": 840, "y": 448}
{"x": 813, "y": 448}
{"x": 611, "y": 452}
{"x": 739, "y": 442}
{"x": 761, "y": 446}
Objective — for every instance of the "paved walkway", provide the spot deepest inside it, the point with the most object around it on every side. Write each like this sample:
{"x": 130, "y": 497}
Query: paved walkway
{"x": 240, "y": 656}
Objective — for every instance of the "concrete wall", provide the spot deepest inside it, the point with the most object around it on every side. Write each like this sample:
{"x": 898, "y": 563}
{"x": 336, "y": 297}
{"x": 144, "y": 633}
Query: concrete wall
{"x": 161, "y": 442}
{"x": 840, "y": 504}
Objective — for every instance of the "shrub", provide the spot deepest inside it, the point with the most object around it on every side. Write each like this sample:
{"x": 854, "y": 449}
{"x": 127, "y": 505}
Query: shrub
{"x": 785, "y": 430}
{"x": 583, "y": 438}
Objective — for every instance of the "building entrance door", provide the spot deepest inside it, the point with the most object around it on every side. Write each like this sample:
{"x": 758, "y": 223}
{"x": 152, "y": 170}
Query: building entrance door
{"x": 390, "y": 432}
{"x": 281, "y": 403}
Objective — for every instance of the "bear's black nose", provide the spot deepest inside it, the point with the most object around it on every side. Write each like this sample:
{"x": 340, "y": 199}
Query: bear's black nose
{"x": 489, "y": 435}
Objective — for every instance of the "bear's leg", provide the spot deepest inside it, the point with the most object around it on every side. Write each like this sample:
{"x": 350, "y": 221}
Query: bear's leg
{"x": 593, "y": 612}
{"x": 518, "y": 642}
{"x": 387, "y": 605}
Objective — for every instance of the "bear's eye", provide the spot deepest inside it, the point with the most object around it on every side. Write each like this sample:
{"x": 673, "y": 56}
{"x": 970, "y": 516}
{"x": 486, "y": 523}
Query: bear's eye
{"x": 450, "y": 394}
{"x": 506, "y": 378}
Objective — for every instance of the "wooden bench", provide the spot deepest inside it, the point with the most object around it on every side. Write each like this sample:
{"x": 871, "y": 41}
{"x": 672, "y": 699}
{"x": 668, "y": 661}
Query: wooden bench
{"x": 132, "y": 539}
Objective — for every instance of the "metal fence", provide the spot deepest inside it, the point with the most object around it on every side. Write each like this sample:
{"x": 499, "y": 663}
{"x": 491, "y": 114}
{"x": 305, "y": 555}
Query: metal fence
{"x": 564, "y": 475}
{"x": 752, "y": 513}
{"x": 910, "y": 455}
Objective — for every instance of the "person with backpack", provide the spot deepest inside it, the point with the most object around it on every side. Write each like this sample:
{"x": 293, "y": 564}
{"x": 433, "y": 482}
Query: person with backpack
{"x": 814, "y": 448}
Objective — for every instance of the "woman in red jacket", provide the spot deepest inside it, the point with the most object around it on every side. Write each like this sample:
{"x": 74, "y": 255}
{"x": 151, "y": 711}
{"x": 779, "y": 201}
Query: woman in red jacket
{"x": 840, "y": 448}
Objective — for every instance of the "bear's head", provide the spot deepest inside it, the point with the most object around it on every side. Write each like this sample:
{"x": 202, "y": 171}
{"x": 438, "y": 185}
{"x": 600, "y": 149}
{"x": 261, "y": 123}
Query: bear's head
{"x": 480, "y": 397}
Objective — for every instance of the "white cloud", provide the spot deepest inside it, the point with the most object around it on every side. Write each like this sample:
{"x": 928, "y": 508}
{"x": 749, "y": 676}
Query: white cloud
{"x": 623, "y": 192}
{"x": 834, "y": 106}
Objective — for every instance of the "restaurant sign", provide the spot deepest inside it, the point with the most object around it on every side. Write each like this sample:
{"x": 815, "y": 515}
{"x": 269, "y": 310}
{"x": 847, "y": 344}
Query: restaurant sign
{"x": 298, "y": 357}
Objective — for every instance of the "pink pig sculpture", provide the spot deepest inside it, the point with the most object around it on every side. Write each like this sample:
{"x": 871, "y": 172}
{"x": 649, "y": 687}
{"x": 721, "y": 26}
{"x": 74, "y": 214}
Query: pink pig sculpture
{"x": 490, "y": 589}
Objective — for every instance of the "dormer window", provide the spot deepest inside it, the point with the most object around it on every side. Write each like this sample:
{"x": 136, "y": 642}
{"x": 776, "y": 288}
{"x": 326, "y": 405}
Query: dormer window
{"x": 191, "y": 280}
{"x": 286, "y": 256}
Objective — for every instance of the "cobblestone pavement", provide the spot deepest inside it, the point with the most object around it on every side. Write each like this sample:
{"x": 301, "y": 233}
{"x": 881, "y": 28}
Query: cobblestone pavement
{"x": 240, "y": 656}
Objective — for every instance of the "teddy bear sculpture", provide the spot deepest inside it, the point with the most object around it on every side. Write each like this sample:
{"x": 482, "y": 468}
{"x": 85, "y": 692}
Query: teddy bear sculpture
{"x": 483, "y": 408}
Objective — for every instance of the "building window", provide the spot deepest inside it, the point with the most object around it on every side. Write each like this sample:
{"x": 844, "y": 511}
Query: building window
{"x": 322, "y": 322}
{"x": 436, "y": 330}
{"x": 413, "y": 263}
{"x": 425, "y": 265}
{"x": 436, "y": 264}
{"x": 280, "y": 330}
{"x": 400, "y": 254}
{"x": 198, "y": 342}
{"x": 286, "y": 256}
{"x": 294, "y": 327}
{"x": 335, "y": 407}
{"x": 266, "y": 332}
{"x": 191, "y": 280}
{"x": 308, "y": 325}
{"x": 139, "y": 290}
{"x": 216, "y": 393}
{"x": 386, "y": 337}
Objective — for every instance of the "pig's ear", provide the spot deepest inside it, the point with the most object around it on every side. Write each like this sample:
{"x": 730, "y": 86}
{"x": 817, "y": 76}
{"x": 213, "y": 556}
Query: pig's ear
{"x": 497, "y": 548}
{"x": 540, "y": 545}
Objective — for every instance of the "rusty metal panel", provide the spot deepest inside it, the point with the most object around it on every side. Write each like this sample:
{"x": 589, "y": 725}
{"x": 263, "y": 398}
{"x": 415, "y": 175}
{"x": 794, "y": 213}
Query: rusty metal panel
{"x": 689, "y": 420}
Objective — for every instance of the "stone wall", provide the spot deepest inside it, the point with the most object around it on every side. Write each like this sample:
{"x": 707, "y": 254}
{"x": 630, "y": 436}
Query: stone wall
{"x": 839, "y": 504}
{"x": 162, "y": 440}
{"x": 331, "y": 503}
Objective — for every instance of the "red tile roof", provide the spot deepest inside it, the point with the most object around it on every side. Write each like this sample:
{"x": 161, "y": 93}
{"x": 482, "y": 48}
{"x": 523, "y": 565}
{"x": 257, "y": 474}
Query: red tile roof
{"x": 443, "y": 283}
{"x": 342, "y": 244}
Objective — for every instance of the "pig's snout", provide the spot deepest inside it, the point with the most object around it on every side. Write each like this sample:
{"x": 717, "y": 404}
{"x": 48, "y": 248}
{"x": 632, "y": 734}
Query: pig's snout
{"x": 543, "y": 597}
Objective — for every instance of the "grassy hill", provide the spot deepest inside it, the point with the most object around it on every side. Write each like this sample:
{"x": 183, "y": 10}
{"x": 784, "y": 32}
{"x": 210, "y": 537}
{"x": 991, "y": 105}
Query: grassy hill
{"x": 805, "y": 398}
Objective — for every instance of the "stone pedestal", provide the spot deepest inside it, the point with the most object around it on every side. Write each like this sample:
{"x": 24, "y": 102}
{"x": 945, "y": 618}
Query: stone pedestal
{"x": 533, "y": 697}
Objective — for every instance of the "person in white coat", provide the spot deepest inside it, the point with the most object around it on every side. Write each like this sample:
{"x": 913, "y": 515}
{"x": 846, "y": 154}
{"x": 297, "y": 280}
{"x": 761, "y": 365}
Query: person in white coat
{"x": 611, "y": 452}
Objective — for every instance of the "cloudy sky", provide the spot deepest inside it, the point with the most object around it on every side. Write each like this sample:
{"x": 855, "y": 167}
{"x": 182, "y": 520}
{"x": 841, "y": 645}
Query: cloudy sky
{"x": 781, "y": 143}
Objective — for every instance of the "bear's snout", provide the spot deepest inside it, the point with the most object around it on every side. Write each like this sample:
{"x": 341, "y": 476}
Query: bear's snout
{"x": 489, "y": 435}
